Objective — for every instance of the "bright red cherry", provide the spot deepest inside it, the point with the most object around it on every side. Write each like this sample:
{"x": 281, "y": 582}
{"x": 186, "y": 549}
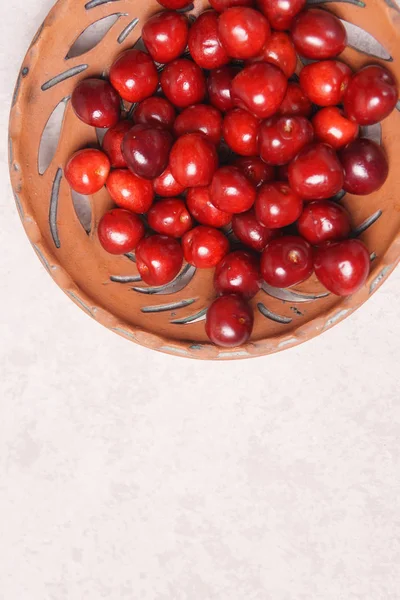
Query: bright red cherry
{"x": 250, "y": 232}
{"x": 282, "y": 138}
{"x": 238, "y": 273}
{"x": 280, "y": 13}
{"x": 174, "y": 4}
{"x": 231, "y": 191}
{"x": 87, "y": 171}
{"x": 170, "y": 216}
{"x": 183, "y": 83}
{"x": 120, "y": 231}
{"x": 96, "y": 103}
{"x": 193, "y": 160}
{"x": 240, "y": 131}
{"x": 365, "y": 167}
{"x": 230, "y": 321}
{"x": 220, "y": 87}
{"x": 155, "y": 112}
{"x": 221, "y": 5}
{"x": 279, "y": 50}
{"x": 146, "y": 150}
{"x": 333, "y": 128}
{"x": 287, "y": 261}
{"x": 295, "y": 102}
{"x": 318, "y": 34}
{"x": 316, "y": 173}
{"x": 165, "y": 36}
{"x": 129, "y": 191}
{"x": 204, "y": 43}
{"x": 134, "y": 75}
{"x": 166, "y": 185}
{"x": 255, "y": 169}
{"x": 371, "y": 95}
{"x": 260, "y": 89}
{"x": 243, "y": 32}
{"x": 277, "y": 205}
{"x": 325, "y": 82}
{"x": 159, "y": 259}
{"x": 204, "y": 247}
{"x": 200, "y": 118}
{"x": 342, "y": 267}
{"x": 112, "y": 143}
{"x": 199, "y": 203}
{"x": 324, "y": 222}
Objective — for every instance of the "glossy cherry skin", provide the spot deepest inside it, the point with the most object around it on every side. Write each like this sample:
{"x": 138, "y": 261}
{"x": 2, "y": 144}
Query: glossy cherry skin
{"x": 134, "y": 76}
{"x": 199, "y": 203}
{"x": 170, "y": 216}
{"x": 200, "y": 118}
{"x": 120, "y": 231}
{"x": 295, "y": 102}
{"x": 230, "y": 321}
{"x": 87, "y": 171}
{"x": 112, "y": 143}
{"x": 250, "y": 232}
{"x": 183, "y": 83}
{"x": 280, "y": 13}
{"x": 193, "y": 160}
{"x": 155, "y": 112}
{"x": 165, "y": 36}
{"x": 146, "y": 150}
{"x": 231, "y": 191}
{"x": 204, "y": 43}
{"x": 255, "y": 169}
{"x": 318, "y": 34}
{"x": 204, "y": 247}
{"x": 287, "y": 261}
{"x": 243, "y": 32}
{"x": 130, "y": 191}
{"x": 240, "y": 131}
{"x": 173, "y": 4}
{"x": 96, "y": 103}
{"x": 166, "y": 185}
{"x": 238, "y": 273}
{"x": 324, "y": 222}
{"x": 316, "y": 173}
{"x": 159, "y": 259}
{"x": 277, "y": 205}
{"x": 279, "y": 50}
{"x": 282, "y": 138}
{"x": 260, "y": 89}
{"x": 325, "y": 82}
{"x": 220, "y": 87}
{"x": 342, "y": 267}
{"x": 371, "y": 95}
{"x": 333, "y": 128}
{"x": 221, "y": 5}
{"x": 365, "y": 167}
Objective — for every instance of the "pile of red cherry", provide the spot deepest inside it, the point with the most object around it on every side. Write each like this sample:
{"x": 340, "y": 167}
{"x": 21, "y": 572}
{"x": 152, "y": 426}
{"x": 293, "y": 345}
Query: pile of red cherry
{"x": 258, "y": 155}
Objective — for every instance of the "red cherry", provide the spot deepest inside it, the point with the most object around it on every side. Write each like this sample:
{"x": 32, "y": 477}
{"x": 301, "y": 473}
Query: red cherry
{"x": 295, "y": 102}
{"x": 243, "y": 31}
{"x": 200, "y": 118}
{"x": 146, "y": 150}
{"x": 159, "y": 259}
{"x": 231, "y": 191}
{"x": 325, "y": 82}
{"x": 96, "y": 103}
{"x": 324, "y": 222}
{"x": 277, "y": 205}
{"x": 255, "y": 169}
{"x": 240, "y": 131}
{"x": 279, "y": 51}
{"x": 170, "y": 217}
{"x": 250, "y": 232}
{"x": 129, "y": 191}
{"x": 238, "y": 273}
{"x": 87, "y": 171}
{"x": 112, "y": 143}
{"x": 230, "y": 321}
{"x": 365, "y": 167}
{"x": 287, "y": 261}
{"x": 333, "y": 128}
{"x": 203, "y": 210}
{"x": 174, "y": 4}
{"x": 220, "y": 87}
{"x": 204, "y": 247}
{"x": 183, "y": 83}
{"x": 281, "y": 138}
{"x": 165, "y": 36}
{"x": 155, "y": 112}
{"x": 342, "y": 267}
{"x": 166, "y": 185}
{"x": 259, "y": 88}
{"x": 193, "y": 160}
{"x": 371, "y": 95}
{"x": 134, "y": 76}
{"x": 221, "y": 5}
{"x": 120, "y": 231}
{"x": 316, "y": 173}
{"x": 318, "y": 34}
{"x": 280, "y": 13}
{"x": 204, "y": 43}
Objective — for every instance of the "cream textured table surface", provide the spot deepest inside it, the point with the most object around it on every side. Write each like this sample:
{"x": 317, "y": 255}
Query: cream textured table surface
{"x": 126, "y": 474}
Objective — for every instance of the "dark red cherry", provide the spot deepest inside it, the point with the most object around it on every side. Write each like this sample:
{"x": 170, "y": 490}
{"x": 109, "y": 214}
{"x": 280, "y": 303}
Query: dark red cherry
{"x": 365, "y": 167}
{"x": 316, "y": 173}
{"x": 221, "y": 5}
{"x": 318, "y": 34}
{"x": 174, "y": 4}
{"x": 200, "y": 118}
{"x": 325, "y": 82}
{"x": 287, "y": 261}
{"x": 238, "y": 273}
{"x": 165, "y": 35}
{"x": 331, "y": 127}
{"x": 193, "y": 160}
{"x": 96, "y": 103}
{"x": 220, "y": 87}
{"x": 260, "y": 89}
{"x": 204, "y": 247}
{"x": 230, "y": 321}
{"x": 324, "y": 222}
{"x": 280, "y": 13}
{"x": 183, "y": 83}
{"x": 155, "y": 112}
{"x": 130, "y": 191}
{"x": 243, "y": 32}
{"x": 231, "y": 191}
{"x": 166, "y": 185}
{"x": 146, "y": 150}
{"x": 295, "y": 102}
{"x": 279, "y": 50}
{"x": 87, "y": 171}
{"x": 204, "y": 43}
{"x": 240, "y": 131}
{"x": 120, "y": 231}
{"x": 159, "y": 259}
{"x": 282, "y": 138}
{"x": 112, "y": 143}
{"x": 199, "y": 203}
{"x": 255, "y": 169}
{"x": 282, "y": 173}
{"x": 342, "y": 267}
{"x": 277, "y": 205}
{"x": 250, "y": 232}
{"x": 134, "y": 75}
{"x": 170, "y": 216}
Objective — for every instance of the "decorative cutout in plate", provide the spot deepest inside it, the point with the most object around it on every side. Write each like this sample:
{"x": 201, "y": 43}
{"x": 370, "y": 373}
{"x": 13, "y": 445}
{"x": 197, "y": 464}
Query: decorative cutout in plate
{"x": 92, "y": 35}
{"x": 50, "y": 136}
